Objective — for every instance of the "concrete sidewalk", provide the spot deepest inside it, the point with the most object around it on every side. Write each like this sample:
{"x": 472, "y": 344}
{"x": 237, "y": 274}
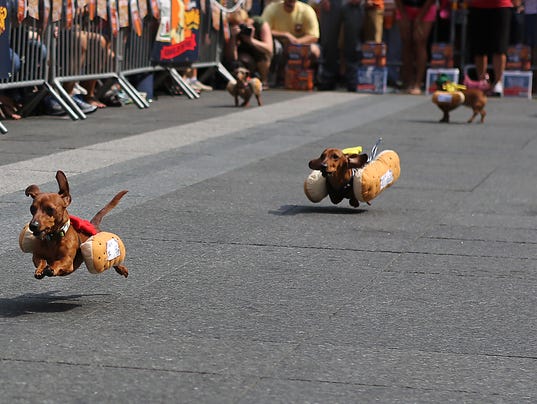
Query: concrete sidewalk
{"x": 242, "y": 291}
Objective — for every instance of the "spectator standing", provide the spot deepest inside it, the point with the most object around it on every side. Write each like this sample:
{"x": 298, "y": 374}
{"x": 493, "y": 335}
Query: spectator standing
{"x": 336, "y": 15}
{"x": 374, "y": 20}
{"x": 250, "y": 44}
{"x": 293, "y": 22}
{"x": 488, "y": 29}
{"x": 416, "y": 19}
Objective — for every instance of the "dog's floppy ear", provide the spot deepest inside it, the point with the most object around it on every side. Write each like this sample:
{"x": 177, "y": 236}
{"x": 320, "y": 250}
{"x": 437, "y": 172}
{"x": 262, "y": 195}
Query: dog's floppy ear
{"x": 33, "y": 191}
{"x": 357, "y": 160}
{"x": 64, "y": 187}
{"x": 316, "y": 164}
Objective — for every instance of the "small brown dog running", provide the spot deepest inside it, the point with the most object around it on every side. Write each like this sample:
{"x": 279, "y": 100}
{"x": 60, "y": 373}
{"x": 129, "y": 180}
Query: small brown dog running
{"x": 244, "y": 87}
{"x": 56, "y": 251}
{"x": 337, "y": 168}
{"x": 473, "y": 98}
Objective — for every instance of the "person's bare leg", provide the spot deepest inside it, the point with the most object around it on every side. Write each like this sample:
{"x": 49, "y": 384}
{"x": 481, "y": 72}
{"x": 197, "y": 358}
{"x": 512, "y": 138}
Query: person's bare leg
{"x": 421, "y": 35}
{"x": 481, "y": 62}
{"x": 498, "y": 66}
{"x": 407, "y": 63}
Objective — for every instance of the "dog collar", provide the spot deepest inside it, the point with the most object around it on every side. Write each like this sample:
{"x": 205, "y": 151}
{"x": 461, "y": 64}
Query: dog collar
{"x": 60, "y": 233}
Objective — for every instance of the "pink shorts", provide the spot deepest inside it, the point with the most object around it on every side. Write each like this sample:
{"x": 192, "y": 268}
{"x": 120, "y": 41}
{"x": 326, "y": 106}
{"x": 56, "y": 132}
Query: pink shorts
{"x": 412, "y": 13}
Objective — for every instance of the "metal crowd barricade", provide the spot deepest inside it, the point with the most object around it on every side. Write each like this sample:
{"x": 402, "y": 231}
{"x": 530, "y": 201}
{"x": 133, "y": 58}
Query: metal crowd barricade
{"x": 30, "y": 46}
{"x": 85, "y": 50}
{"x": 210, "y": 52}
{"x": 136, "y": 55}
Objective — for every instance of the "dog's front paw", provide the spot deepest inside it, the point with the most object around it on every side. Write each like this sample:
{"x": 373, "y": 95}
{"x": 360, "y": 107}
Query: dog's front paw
{"x": 47, "y": 271}
{"x": 39, "y": 276}
{"x": 354, "y": 202}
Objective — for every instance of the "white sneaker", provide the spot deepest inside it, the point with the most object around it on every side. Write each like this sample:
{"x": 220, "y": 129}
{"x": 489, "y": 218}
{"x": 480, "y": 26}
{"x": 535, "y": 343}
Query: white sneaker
{"x": 498, "y": 88}
{"x": 198, "y": 85}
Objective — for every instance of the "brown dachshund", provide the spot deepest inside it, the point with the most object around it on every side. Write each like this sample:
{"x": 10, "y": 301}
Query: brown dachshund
{"x": 244, "y": 87}
{"x": 337, "y": 168}
{"x": 473, "y": 98}
{"x": 57, "y": 248}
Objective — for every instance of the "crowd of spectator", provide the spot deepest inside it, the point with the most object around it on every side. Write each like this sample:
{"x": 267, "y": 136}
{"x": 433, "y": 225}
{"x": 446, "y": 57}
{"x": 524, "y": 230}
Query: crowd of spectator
{"x": 339, "y": 28}
{"x": 260, "y": 33}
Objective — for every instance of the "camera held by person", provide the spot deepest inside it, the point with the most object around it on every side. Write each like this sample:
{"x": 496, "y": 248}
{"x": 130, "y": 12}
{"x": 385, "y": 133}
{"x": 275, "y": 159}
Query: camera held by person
{"x": 245, "y": 30}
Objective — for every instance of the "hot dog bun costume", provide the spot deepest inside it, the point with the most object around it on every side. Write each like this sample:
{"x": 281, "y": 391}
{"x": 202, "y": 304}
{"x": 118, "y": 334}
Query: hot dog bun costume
{"x": 101, "y": 251}
{"x": 367, "y": 182}
{"x": 449, "y": 95}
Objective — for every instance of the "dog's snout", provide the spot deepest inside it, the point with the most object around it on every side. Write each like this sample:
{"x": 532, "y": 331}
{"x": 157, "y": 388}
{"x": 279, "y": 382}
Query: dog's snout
{"x": 34, "y": 226}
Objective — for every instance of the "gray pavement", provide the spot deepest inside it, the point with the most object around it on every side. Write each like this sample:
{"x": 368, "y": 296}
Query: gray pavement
{"x": 242, "y": 291}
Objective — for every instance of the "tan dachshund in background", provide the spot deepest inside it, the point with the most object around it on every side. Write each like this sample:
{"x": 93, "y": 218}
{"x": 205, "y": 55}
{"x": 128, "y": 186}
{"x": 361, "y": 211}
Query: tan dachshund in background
{"x": 57, "y": 248}
{"x": 473, "y": 98}
{"x": 244, "y": 87}
{"x": 337, "y": 168}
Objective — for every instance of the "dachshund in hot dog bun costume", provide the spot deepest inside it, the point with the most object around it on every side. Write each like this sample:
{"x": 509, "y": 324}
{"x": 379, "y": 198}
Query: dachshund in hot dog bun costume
{"x": 350, "y": 174}
{"x": 451, "y": 96}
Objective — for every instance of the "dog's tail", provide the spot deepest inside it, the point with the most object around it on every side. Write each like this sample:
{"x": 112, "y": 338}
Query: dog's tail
{"x": 96, "y": 221}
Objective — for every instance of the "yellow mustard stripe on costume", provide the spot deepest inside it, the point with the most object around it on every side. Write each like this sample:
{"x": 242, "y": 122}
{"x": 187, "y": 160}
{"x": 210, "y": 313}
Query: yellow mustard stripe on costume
{"x": 376, "y": 176}
{"x": 352, "y": 150}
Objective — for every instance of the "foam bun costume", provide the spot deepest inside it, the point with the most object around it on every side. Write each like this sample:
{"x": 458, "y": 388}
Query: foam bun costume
{"x": 367, "y": 182}
{"x": 449, "y": 95}
{"x": 101, "y": 251}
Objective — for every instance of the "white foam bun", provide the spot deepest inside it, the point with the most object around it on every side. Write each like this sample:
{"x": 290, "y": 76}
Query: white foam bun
{"x": 315, "y": 186}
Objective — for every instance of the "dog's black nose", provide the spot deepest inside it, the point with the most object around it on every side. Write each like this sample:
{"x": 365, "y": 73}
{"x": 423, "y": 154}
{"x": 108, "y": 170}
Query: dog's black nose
{"x": 34, "y": 226}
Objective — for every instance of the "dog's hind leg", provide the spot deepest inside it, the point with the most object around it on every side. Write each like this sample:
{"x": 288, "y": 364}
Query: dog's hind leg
{"x": 258, "y": 98}
{"x": 472, "y": 117}
{"x": 483, "y": 115}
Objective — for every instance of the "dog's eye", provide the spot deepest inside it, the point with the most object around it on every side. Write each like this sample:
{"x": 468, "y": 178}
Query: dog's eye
{"x": 49, "y": 210}
{"x": 335, "y": 157}
{"x": 33, "y": 209}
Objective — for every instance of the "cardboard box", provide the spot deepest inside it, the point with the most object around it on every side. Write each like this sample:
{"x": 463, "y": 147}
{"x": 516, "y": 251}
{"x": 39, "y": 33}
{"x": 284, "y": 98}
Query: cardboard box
{"x": 517, "y": 84}
{"x": 518, "y": 58}
{"x": 299, "y": 79}
{"x": 372, "y": 79}
{"x": 374, "y": 54}
{"x": 441, "y": 55}
{"x": 299, "y": 57}
{"x": 432, "y": 76}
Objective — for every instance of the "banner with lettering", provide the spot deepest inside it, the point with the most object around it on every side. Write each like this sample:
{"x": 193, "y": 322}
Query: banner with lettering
{"x": 177, "y": 37}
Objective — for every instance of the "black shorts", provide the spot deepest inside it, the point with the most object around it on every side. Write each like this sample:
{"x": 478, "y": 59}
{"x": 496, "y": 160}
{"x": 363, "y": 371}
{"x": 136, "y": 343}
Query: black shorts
{"x": 488, "y": 30}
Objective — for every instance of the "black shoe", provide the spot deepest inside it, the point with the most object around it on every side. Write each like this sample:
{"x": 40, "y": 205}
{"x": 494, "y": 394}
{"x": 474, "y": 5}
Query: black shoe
{"x": 83, "y": 105}
{"x": 53, "y": 107}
